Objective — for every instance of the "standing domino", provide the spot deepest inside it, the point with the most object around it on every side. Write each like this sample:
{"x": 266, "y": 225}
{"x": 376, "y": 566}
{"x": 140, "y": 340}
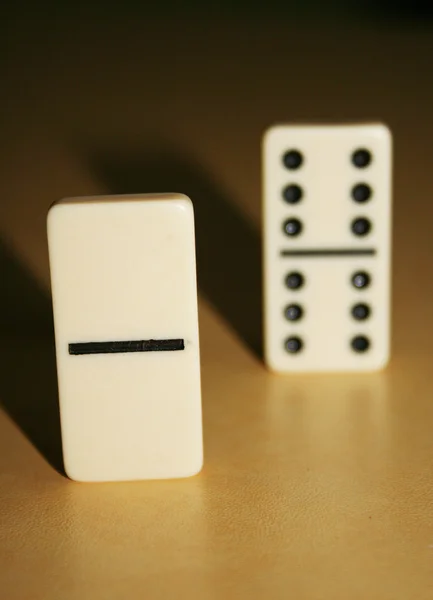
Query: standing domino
{"x": 327, "y": 262}
{"x": 125, "y": 312}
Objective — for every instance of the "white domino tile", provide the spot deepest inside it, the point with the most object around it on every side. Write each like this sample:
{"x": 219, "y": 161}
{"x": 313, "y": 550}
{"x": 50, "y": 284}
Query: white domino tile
{"x": 326, "y": 252}
{"x": 123, "y": 276}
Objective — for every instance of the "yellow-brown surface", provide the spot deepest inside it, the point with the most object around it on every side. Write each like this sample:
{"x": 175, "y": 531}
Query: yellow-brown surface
{"x": 315, "y": 487}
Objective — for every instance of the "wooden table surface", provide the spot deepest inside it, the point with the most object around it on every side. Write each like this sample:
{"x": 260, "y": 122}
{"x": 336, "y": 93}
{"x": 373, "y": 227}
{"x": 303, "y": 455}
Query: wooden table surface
{"x": 315, "y": 487}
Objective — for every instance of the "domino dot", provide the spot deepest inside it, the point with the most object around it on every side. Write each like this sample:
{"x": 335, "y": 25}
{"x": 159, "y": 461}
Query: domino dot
{"x": 293, "y": 159}
{"x": 293, "y": 345}
{"x": 361, "y": 279}
{"x": 361, "y": 158}
{"x": 293, "y": 312}
{"x": 292, "y": 227}
{"x": 360, "y": 343}
{"x": 360, "y": 312}
{"x": 294, "y": 280}
{"x": 292, "y": 194}
{"x": 361, "y": 226}
{"x": 361, "y": 192}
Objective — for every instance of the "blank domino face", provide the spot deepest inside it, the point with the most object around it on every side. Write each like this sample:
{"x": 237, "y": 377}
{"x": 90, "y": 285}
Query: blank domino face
{"x": 125, "y": 312}
{"x": 327, "y": 223}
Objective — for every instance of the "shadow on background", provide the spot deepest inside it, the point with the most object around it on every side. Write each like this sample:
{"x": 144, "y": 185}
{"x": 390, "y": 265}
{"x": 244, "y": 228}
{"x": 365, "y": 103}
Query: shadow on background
{"x": 28, "y": 382}
{"x": 228, "y": 248}
{"x": 247, "y": 10}
{"x": 399, "y": 10}
{"x": 25, "y": 307}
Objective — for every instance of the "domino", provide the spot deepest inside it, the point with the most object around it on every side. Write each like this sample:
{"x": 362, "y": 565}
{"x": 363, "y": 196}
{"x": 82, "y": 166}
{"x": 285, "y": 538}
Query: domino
{"x": 123, "y": 278}
{"x": 327, "y": 247}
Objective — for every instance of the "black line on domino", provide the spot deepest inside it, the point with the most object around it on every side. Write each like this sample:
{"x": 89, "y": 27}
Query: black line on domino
{"x": 128, "y": 346}
{"x": 306, "y": 252}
